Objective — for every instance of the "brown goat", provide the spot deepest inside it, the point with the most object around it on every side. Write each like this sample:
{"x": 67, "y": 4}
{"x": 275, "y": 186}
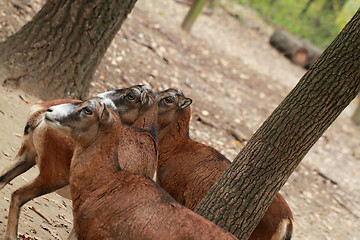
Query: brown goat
{"x": 187, "y": 169}
{"x": 52, "y": 151}
{"x": 109, "y": 202}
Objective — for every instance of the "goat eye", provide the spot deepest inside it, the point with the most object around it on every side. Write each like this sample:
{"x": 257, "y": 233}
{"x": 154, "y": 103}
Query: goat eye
{"x": 130, "y": 97}
{"x": 168, "y": 100}
{"x": 87, "y": 111}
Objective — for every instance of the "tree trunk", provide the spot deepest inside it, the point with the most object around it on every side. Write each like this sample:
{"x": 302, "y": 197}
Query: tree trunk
{"x": 56, "y": 54}
{"x": 291, "y": 47}
{"x": 239, "y": 199}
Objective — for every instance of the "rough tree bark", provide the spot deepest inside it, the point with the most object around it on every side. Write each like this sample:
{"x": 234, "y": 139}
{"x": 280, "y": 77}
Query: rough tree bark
{"x": 56, "y": 54}
{"x": 239, "y": 199}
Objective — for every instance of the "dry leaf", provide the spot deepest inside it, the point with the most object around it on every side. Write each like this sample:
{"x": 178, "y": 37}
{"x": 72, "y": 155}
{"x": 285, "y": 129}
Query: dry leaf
{"x": 6, "y": 154}
{"x": 18, "y": 135}
{"x": 23, "y": 99}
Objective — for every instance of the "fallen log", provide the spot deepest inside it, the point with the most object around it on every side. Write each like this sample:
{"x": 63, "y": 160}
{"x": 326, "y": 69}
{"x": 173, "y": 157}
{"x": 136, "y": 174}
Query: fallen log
{"x": 314, "y": 53}
{"x": 291, "y": 47}
{"x": 300, "y": 52}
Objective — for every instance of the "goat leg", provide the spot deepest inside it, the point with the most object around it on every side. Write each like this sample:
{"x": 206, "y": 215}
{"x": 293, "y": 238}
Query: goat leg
{"x": 21, "y": 196}
{"x": 24, "y": 160}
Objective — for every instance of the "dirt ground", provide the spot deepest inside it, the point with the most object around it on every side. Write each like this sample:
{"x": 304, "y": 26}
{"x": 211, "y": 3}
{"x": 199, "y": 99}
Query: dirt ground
{"x": 235, "y": 80}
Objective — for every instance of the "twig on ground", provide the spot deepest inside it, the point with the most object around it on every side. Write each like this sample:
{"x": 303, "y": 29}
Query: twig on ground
{"x": 40, "y": 214}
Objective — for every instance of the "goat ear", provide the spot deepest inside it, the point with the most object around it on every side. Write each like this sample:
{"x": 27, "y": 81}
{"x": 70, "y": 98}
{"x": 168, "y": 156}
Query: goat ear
{"x": 184, "y": 103}
{"x": 104, "y": 114}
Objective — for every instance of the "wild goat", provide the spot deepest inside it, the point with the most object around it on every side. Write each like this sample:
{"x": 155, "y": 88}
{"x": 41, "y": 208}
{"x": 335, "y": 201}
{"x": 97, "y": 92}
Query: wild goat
{"x": 109, "y": 202}
{"x": 52, "y": 151}
{"x": 187, "y": 169}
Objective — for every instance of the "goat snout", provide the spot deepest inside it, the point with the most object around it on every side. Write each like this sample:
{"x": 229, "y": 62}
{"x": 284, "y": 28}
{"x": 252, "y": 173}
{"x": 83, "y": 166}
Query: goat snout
{"x": 49, "y": 110}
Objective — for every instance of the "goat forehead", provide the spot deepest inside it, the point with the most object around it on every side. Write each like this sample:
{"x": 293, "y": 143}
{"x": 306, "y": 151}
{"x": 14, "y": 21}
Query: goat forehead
{"x": 109, "y": 103}
{"x": 146, "y": 87}
{"x": 107, "y": 94}
{"x": 105, "y": 100}
{"x": 109, "y": 97}
{"x": 92, "y": 102}
{"x": 136, "y": 89}
{"x": 172, "y": 94}
{"x": 180, "y": 92}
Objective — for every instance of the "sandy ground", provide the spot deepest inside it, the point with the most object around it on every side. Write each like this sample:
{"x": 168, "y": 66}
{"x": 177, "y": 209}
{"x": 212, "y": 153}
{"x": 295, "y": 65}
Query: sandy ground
{"x": 235, "y": 79}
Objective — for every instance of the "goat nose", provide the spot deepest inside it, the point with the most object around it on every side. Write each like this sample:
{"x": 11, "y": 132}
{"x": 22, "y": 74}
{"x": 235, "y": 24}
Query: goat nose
{"x": 49, "y": 110}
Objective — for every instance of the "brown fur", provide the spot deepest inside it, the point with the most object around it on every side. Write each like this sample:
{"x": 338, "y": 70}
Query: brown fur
{"x": 187, "y": 169}
{"x": 109, "y": 203}
{"x": 52, "y": 152}
{"x": 277, "y": 223}
{"x": 38, "y": 145}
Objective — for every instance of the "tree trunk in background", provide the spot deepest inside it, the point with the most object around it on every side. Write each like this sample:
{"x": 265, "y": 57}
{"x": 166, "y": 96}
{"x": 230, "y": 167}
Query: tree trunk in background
{"x": 213, "y": 4}
{"x": 193, "y": 13}
{"x": 239, "y": 199}
{"x": 306, "y": 8}
{"x": 56, "y": 54}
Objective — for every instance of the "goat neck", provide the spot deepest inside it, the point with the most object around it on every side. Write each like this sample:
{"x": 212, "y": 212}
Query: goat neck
{"x": 176, "y": 130}
{"x": 87, "y": 166}
{"x": 148, "y": 119}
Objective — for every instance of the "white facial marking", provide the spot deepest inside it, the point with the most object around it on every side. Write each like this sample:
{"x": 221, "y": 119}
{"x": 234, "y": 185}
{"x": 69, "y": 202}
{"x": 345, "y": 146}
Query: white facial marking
{"x": 58, "y": 112}
{"x": 179, "y": 92}
{"x": 137, "y": 90}
{"x": 61, "y": 110}
{"x": 106, "y": 98}
{"x": 106, "y": 94}
{"x": 147, "y": 87}
{"x": 109, "y": 103}
{"x": 173, "y": 95}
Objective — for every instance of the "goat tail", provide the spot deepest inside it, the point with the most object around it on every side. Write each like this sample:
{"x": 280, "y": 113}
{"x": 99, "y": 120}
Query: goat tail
{"x": 287, "y": 226}
{"x": 284, "y": 231}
